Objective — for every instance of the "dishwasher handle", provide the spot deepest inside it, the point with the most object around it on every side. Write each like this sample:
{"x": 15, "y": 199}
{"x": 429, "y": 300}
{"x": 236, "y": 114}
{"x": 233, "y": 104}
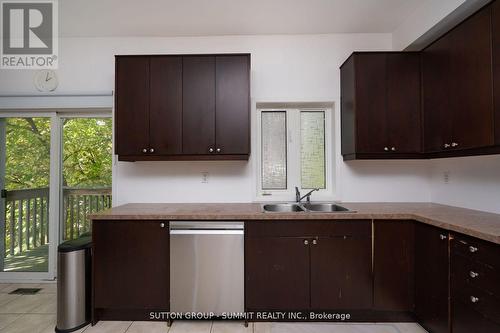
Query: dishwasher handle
{"x": 205, "y": 232}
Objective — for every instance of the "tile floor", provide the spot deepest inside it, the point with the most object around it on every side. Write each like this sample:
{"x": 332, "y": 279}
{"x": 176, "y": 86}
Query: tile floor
{"x": 37, "y": 314}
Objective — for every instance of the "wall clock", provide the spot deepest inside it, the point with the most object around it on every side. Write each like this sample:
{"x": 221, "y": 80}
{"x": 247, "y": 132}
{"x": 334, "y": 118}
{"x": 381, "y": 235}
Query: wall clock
{"x": 46, "y": 80}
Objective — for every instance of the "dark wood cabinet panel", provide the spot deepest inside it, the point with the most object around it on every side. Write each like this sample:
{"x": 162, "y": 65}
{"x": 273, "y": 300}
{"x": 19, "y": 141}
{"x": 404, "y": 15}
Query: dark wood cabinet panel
{"x": 380, "y": 117}
{"x": 132, "y": 105}
{"x": 277, "y": 273}
{"x": 348, "y": 107}
{"x": 474, "y": 285}
{"x": 341, "y": 276}
{"x": 371, "y": 117}
{"x": 467, "y": 320}
{"x": 310, "y": 265}
{"x": 232, "y": 100}
{"x": 130, "y": 266}
{"x": 394, "y": 265}
{"x": 471, "y": 82}
{"x": 457, "y": 87}
{"x": 165, "y": 115}
{"x": 182, "y": 107}
{"x": 198, "y": 99}
{"x": 404, "y": 102}
{"x": 432, "y": 278}
{"x": 495, "y": 21}
{"x": 436, "y": 73}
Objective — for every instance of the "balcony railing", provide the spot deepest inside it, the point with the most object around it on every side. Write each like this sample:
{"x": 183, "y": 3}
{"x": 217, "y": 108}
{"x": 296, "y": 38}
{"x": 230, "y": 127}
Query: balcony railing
{"x": 26, "y": 216}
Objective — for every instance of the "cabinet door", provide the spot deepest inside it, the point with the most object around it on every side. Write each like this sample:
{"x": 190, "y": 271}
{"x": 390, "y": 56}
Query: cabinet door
{"x": 132, "y": 105}
{"x": 436, "y": 95}
{"x": 232, "y": 102}
{"x": 495, "y": 19}
{"x": 277, "y": 273}
{"x": 432, "y": 278}
{"x": 403, "y": 102}
{"x": 165, "y": 113}
{"x": 394, "y": 265}
{"x": 471, "y": 82}
{"x": 341, "y": 275}
{"x": 131, "y": 265}
{"x": 198, "y": 99}
{"x": 371, "y": 103}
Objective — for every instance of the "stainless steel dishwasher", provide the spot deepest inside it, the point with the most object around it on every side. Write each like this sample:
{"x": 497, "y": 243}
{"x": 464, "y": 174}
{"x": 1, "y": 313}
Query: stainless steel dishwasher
{"x": 206, "y": 267}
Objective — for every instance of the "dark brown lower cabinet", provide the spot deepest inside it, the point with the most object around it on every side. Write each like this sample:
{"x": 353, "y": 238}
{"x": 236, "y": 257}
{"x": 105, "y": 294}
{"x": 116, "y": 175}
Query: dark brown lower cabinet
{"x": 341, "y": 273}
{"x": 393, "y": 265}
{"x": 308, "y": 265}
{"x": 277, "y": 273}
{"x": 432, "y": 278}
{"x": 130, "y": 269}
{"x": 475, "y": 291}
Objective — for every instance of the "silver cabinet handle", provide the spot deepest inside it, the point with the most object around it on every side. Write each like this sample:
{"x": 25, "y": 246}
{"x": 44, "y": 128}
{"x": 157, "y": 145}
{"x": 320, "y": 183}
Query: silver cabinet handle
{"x": 442, "y": 237}
{"x": 393, "y": 148}
{"x": 473, "y": 249}
{"x": 474, "y": 299}
{"x": 446, "y": 145}
{"x": 315, "y": 242}
{"x": 454, "y": 144}
{"x": 219, "y": 150}
{"x": 306, "y": 242}
{"x": 386, "y": 148}
{"x": 210, "y": 150}
{"x": 151, "y": 150}
{"x": 162, "y": 225}
{"x": 144, "y": 150}
{"x": 473, "y": 274}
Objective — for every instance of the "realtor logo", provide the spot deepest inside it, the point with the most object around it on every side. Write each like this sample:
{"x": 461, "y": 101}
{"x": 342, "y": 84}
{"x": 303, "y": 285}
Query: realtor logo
{"x": 29, "y": 34}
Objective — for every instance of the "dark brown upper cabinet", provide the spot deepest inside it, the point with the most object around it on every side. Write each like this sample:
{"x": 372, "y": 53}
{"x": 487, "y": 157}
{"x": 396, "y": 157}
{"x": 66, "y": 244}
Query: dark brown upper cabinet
{"x": 232, "y": 98}
{"x": 495, "y": 20}
{"x": 457, "y": 87}
{"x": 380, "y": 105}
{"x": 198, "y": 97}
{"x": 132, "y": 106}
{"x": 182, "y": 107}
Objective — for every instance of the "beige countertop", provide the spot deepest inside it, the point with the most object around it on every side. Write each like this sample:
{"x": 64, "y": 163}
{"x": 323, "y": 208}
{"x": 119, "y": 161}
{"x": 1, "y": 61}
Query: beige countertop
{"x": 474, "y": 223}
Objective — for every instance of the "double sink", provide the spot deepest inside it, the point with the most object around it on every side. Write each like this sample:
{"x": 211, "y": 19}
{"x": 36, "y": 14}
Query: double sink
{"x": 305, "y": 207}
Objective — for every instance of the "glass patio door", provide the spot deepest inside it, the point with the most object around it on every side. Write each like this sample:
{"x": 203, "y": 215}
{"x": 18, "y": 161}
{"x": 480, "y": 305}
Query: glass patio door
{"x": 26, "y": 235}
{"x": 86, "y": 172}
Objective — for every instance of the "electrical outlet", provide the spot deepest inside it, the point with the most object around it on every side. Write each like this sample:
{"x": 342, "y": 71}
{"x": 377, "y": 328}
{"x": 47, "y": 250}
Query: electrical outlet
{"x": 204, "y": 177}
{"x": 446, "y": 177}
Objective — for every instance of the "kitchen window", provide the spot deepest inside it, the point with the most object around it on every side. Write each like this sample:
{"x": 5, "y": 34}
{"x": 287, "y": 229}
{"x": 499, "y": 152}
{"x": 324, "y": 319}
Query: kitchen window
{"x": 295, "y": 150}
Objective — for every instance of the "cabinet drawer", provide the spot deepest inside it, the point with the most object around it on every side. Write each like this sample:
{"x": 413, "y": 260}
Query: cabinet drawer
{"x": 467, "y": 272}
{"x": 479, "y": 301}
{"x": 477, "y": 250}
{"x": 308, "y": 228}
{"x": 466, "y": 320}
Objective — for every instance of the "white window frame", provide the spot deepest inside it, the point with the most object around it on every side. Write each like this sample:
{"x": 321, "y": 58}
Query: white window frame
{"x": 293, "y": 157}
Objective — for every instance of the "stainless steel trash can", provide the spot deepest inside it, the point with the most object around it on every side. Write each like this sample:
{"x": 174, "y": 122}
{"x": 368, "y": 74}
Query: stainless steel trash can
{"x": 73, "y": 284}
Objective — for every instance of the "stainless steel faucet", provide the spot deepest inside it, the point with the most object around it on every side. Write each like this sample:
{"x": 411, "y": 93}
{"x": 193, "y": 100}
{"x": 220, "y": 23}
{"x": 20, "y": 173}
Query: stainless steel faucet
{"x": 298, "y": 198}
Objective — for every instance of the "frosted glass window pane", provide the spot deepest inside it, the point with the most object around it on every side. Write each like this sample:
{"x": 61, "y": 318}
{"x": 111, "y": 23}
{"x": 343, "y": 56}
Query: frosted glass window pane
{"x": 312, "y": 149}
{"x": 274, "y": 150}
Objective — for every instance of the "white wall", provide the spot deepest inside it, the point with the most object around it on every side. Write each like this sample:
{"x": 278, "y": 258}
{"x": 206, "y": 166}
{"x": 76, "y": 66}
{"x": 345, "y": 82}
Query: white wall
{"x": 474, "y": 182}
{"x": 284, "y": 68}
{"x": 423, "y": 19}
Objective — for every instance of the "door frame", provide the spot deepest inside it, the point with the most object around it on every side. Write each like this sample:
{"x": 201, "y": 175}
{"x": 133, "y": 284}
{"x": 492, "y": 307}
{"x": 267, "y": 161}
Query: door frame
{"x": 55, "y": 178}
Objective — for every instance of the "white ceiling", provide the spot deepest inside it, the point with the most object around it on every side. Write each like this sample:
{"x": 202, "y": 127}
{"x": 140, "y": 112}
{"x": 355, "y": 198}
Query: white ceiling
{"x": 107, "y": 18}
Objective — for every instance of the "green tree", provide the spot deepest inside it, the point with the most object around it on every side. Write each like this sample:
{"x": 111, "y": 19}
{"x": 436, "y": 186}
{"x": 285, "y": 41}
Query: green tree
{"x": 87, "y": 152}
